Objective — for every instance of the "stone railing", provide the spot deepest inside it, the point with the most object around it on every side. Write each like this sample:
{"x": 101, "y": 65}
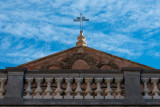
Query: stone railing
{"x": 3, "y": 81}
{"x": 150, "y": 84}
{"x": 74, "y": 88}
{"x": 128, "y": 86}
{"x": 74, "y": 84}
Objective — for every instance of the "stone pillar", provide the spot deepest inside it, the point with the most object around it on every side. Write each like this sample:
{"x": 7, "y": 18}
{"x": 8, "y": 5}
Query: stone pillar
{"x": 38, "y": 90}
{"x": 2, "y": 82}
{"x": 109, "y": 90}
{"x": 78, "y": 90}
{"x": 68, "y": 90}
{"x": 58, "y": 90}
{"x": 28, "y": 89}
{"x": 155, "y": 90}
{"x": 99, "y": 91}
{"x": 118, "y": 90}
{"x": 15, "y": 85}
{"x": 48, "y": 90}
{"x": 88, "y": 90}
{"x": 132, "y": 85}
{"x": 146, "y": 91}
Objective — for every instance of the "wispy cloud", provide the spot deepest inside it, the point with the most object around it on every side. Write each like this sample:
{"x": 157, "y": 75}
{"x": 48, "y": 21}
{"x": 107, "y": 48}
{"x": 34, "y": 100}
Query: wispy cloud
{"x": 126, "y": 28}
{"x": 117, "y": 43}
{"x": 18, "y": 51}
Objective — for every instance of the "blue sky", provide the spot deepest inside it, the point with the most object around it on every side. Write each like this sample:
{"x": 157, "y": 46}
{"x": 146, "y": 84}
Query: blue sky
{"x": 30, "y": 29}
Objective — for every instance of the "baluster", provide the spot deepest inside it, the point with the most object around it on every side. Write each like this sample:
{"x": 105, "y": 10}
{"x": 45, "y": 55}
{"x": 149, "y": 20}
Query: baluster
{"x": 68, "y": 90}
{"x": 28, "y": 90}
{"x": 98, "y": 91}
{"x": 58, "y": 90}
{"x": 38, "y": 90}
{"x": 118, "y": 90}
{"x": 155, "y": 90}
{"x": 145, "y": 90}
{"x": 78, "y": 90}
{"x": 2, "y": 91}
{"x": 109, "y": 91}
{"x": 88, "y": 90}
{"x": 48, "y": 90}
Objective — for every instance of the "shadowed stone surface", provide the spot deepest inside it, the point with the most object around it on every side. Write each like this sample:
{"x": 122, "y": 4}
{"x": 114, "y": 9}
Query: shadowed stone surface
{"x": 132, "y": 87}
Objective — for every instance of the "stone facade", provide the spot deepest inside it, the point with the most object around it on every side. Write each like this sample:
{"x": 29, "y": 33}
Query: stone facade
{"x": 124, "y": 87}
{"x": 80, "y": 76}
{"x": 90, "y": 58}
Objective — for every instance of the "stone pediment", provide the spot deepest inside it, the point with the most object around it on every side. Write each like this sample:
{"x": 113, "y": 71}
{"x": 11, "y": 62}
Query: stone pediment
{"x": 81, "y": 58}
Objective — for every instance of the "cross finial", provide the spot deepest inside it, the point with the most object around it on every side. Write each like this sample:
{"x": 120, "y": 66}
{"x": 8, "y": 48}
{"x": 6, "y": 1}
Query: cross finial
{"x": 81, "y": 19}
{"x": 81, "y": 37}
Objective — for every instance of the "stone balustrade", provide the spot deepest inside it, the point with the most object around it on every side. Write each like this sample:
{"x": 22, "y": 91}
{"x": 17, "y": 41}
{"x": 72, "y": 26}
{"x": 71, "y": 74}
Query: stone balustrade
{"x": 128, "y": 86}
{"x": 3, "y": 87}
{"x": 150, "y": 88}
{"x": 73, "y": 88}
{"x": 3, "y": 82}
{"x": 150, "y": 82}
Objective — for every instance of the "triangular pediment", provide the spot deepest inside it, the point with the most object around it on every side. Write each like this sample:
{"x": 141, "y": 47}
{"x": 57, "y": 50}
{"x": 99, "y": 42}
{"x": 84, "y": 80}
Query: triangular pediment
{"x": 81, "y": 58}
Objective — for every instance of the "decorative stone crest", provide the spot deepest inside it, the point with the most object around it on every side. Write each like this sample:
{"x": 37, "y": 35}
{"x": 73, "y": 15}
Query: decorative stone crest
{"x": 100, "y": 64}
{"x": 46, "y": 66}
{"x": 68, "y": 62}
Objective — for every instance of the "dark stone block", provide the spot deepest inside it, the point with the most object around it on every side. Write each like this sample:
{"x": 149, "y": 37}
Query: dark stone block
{"x": 16, "y": 69}
{"x": 15, "y": 87}
{"x": 133, "y": 87}
{"x": 132, "y": 69}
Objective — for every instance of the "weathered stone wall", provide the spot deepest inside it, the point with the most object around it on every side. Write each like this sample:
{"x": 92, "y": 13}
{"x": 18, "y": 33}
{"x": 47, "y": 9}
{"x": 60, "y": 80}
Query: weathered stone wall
{"x": 133, "y": 87}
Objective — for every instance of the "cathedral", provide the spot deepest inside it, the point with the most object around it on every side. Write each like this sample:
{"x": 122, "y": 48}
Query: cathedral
{"x": 80, "y": 76}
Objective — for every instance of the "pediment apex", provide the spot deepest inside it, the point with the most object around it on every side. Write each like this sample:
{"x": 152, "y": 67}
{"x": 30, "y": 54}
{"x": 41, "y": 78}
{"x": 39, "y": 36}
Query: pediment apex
{"x": 95, "y": 59}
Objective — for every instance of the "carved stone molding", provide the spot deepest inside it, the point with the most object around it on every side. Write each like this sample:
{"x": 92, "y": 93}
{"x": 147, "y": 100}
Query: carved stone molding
{"x": 46, "y": 66}
{"x": 113, "y": 65}
{"x": 68, "y": 61}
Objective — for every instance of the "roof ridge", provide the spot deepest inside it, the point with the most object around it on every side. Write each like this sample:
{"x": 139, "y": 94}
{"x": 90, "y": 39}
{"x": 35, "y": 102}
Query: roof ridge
{"x": 46, "y": 56}
{"x": 88, "y": 48}
{"x": 122, "y": 58}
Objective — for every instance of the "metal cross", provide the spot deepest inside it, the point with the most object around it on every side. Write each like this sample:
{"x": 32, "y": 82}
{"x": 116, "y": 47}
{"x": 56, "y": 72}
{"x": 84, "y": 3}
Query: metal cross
{"x": 80, "y": 19}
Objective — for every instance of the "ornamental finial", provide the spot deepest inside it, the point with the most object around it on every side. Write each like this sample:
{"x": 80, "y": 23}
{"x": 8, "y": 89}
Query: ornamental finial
{"x": 81, "y": 38}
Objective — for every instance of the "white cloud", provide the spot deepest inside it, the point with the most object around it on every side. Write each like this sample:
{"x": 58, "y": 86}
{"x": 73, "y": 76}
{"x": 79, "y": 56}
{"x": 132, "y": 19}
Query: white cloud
{"x": 18, "y": 51}
{"x": 51, "y": 21}
{"x": 5, "y": 43}
{"x": 116, "y": 43}
{"x": 24, "y": 55}
{"x": 157, "y": 54}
